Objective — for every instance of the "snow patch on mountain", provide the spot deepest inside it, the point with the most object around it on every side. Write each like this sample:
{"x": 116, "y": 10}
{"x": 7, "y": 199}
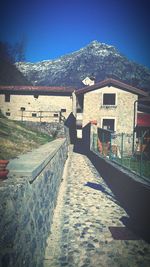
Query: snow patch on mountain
{"x": 98, "y": 59}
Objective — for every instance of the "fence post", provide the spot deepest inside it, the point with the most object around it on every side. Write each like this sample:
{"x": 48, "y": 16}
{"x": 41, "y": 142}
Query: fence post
{"x": 122, "y": 135}
{"x": 40, "y": 115}
{"x": 94, "y": 136}
{"x": 59, "y": 114}
{"x": 22, "y": 115}
{"x": 110, "y": 156}
{"x": 141, "y": 158}
{"x": 95, "y": 141}
{"x": 22, "y": 110}
{"x": 102, "y": 143}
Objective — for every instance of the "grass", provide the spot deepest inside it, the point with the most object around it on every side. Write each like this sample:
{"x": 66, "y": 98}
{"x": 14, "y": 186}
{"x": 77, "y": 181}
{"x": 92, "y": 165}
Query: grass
{"x": 16, "y": 139}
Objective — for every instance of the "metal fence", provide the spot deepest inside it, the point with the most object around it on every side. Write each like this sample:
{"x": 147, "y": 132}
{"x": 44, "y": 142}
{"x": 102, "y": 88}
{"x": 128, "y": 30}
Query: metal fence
{"x": 119, "y": 148}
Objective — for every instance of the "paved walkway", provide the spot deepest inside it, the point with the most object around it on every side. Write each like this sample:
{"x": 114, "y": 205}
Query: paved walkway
{"x": 80, "y": 235}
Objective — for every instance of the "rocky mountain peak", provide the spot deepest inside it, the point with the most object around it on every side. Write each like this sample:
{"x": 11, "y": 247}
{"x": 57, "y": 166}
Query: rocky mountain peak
{"x": 98, "y": 59}
{"x": 101, "y": 47}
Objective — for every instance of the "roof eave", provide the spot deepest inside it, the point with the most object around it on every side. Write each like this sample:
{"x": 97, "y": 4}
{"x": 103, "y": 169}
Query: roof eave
{"x": 36, "y": 89}
{"x": 112, "y": 82}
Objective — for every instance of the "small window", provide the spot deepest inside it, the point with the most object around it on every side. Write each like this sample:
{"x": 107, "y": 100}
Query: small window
{"x": 36, "y": 96}
{"x": 79, "y": 126}
{"x": 108, "y": 124}
{"x": 34, "y": 115}
{"x": 7, "y": 113}
{"x": 79, "y": 110}
{"x": 22, "y": 109}
{"x": 109, "y": 99}
{"x": 7, "y": 97}
{"x": 55, "y": 115}
{"x": 63, "y": 110}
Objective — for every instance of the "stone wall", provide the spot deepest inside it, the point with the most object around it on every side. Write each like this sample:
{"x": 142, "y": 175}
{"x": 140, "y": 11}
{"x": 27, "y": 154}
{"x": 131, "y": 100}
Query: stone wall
{"x": 27, "y": 201}
{"x": 132, "y": 192}
{"x": 54, "y": 129}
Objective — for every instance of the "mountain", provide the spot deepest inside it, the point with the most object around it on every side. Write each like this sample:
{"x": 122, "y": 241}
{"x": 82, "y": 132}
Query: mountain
{"x": 96, "y": 59}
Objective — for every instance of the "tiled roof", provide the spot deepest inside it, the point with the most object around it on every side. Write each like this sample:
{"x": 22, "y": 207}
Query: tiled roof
{"x": 69, "y": 89}
{"x": 40, "y": 89}
{"x": 111, "y": 82}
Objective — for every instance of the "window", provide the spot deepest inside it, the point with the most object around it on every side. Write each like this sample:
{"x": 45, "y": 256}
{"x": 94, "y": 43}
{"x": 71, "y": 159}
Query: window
{"x": 108, "y": 124}
{"x": 79, "y": 110}
{"x": 7, "y": 113}
{"x": 55, "y": 115}
{"x": 79, "y": 126}
{"x": 7, "y": 98}
{"x": 22, "y": 109}
{"x": 63, "y": 110}
{"x": 34, "y": 114}
{"x": 109, "y": 99}
{"x": 36, "y": 96}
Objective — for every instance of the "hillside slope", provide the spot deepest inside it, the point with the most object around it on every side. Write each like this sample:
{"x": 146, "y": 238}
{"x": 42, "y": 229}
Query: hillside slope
{"x": 16, "y": 139}
{"x": 97, "y": 59}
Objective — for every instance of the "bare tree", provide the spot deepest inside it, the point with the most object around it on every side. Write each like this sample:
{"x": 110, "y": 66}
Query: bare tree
{"x": 12, "y": 53}
{"x": 5, "y": 52}
{"x": 18, "y": 51}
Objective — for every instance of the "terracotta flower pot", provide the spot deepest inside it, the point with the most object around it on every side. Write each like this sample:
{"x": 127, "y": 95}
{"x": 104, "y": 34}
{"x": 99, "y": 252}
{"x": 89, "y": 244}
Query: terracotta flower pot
{"x": 93, "y": 122}
{"x": 3, "y": 171}
{"x": 4, "y": 161}
{"x": 3, "y": 174}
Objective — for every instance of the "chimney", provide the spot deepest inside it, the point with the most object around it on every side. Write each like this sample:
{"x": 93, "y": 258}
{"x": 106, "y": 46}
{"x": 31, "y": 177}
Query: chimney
{"x": 89, "y": 81}
{"x": 92, "y": 78}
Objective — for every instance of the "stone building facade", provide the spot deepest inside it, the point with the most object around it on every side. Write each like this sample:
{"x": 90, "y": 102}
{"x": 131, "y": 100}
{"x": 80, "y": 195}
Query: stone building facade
{"x": 117, "y": 117}
{"x": 110, "y": 103}
{"x": 35, "y": 103}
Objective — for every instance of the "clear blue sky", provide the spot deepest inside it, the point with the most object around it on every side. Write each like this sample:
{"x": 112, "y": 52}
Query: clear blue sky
{"x": 57, "y": 27}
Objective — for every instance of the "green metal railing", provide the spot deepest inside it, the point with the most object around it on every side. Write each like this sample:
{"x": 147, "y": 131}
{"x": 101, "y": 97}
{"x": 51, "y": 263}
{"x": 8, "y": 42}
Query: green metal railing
{"x": 119, "y": 148}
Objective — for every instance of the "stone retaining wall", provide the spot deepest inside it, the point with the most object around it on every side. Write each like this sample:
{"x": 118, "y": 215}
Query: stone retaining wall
{"x": 54, "y": 129}
{"x": 27, "y": 201}
{"x": 132, "y": 192}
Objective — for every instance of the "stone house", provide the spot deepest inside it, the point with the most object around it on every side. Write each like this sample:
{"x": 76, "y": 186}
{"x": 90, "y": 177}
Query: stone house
{"x": 110, "y": 103}
{"x": 36, "y": 103}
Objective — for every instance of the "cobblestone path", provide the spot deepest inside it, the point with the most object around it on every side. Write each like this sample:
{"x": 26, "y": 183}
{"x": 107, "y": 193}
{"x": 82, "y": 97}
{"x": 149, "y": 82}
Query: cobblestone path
{"x": 80, "y": 235}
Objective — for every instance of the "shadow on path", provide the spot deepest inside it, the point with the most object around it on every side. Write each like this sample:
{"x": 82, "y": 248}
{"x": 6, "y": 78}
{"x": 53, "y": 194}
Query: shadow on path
{"x": 99, "y": 187}
{"x": 133, "y": 196}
